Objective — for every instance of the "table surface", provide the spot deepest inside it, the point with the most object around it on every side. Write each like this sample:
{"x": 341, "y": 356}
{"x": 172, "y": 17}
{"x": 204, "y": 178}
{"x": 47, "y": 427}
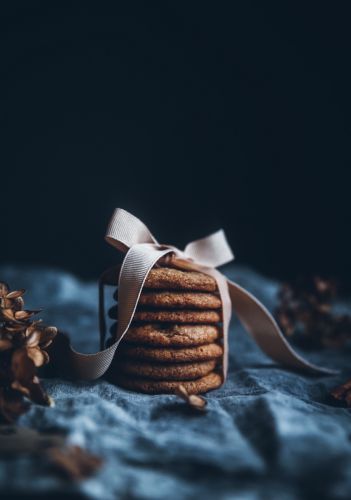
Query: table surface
{"x": 268, "y": 433}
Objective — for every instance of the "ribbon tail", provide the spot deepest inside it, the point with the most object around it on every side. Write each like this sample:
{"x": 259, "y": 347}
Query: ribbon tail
{"x": 261, "y": 325}
{"x": 136, "y": 266}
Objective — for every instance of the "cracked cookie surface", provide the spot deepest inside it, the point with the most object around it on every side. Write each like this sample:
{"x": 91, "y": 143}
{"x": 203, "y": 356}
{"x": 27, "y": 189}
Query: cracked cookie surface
{"x": 178, "y": 316}
{"x": 203, "y": 384}
{"x": 166, "y": 371}
{"x": 180, "y": 300}
{"x": 208, "y": 316}
{"x": 171, "y": 355}
{"x": 159, "y": 335}
{"x": 166, "y": 278}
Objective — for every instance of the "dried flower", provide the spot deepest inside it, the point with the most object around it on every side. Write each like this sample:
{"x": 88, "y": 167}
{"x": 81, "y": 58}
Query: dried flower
{"x": 305, "y": 312}
{"x": 343, "y": 393}
{"x": 22, "y": 351}
{"x": 12, "y": 404}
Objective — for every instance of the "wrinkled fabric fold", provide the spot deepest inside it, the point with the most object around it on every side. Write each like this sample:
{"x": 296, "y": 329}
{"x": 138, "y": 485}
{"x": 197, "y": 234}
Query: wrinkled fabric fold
{"x": 130, "y": 235}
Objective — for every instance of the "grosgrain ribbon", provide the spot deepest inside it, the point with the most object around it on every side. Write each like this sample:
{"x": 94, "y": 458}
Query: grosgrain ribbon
{"x": 130, "y": 235}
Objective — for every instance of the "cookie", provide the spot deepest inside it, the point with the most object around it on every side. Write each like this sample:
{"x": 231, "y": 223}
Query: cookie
{"x": 180, "y": 300}
{"x": 175, "y": 316}
{"x": 181, "y": 316}
{"x": 172, "y": 335}
{"x": 170, "y": 371}
{"x": 166, "y": 278}
{"x": 169, "y": 354}
{"x": 198, "y": 386}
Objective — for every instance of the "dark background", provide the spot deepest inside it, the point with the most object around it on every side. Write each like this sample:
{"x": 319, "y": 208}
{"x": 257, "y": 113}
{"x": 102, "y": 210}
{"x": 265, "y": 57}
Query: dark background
{"x": 193, "y": 116}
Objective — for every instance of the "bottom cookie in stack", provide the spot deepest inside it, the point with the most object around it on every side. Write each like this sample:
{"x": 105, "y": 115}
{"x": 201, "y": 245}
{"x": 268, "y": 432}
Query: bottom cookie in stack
{"x": 197, "y": 386}
{"x": 175, "y": 337}
{"x": 157, "y": 367}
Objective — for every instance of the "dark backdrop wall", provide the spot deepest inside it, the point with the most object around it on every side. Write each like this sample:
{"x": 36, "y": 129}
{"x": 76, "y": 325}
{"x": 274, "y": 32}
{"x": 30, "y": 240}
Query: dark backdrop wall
{"x": 193, "y": 116}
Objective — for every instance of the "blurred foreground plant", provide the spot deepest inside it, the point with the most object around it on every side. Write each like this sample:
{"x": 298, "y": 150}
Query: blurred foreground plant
{"x": 23, "y": 344}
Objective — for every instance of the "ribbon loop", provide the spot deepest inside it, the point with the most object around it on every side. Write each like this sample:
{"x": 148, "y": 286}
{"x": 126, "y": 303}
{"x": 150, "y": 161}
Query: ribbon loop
{"x": 129, "y": 235}
{"x": 125, "y": 230}
{"x": 211, "y": 251}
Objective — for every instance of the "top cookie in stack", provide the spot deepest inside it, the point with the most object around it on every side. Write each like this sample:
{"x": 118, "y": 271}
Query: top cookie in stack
{"x": 175, "y": 337}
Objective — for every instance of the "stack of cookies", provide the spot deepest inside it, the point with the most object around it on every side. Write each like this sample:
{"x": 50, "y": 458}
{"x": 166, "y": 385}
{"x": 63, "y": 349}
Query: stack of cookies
{"x": 175, "y": 337}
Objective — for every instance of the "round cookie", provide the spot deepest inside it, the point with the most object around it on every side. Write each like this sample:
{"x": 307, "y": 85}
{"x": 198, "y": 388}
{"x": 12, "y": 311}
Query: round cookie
{"x": 175, "y": 316}
{"x": 179, "y": 316}
{"x": 170, "y": 355}
{"x": 198, "y": 386}
{"x": 180, "y": 300}
{"x": 178, "y": 371}
{"x": 172, "y": 335}
{"x": 166, "y": 278}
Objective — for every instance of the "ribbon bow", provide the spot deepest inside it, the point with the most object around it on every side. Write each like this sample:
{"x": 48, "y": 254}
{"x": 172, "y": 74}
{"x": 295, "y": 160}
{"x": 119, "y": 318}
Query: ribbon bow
{"x": 130, "y": 235}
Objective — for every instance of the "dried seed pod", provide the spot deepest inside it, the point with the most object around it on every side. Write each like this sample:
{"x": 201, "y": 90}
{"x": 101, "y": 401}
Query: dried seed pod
{"x": 8, "y": 314}
{"x": 15, "y": 294}
{"x": 4, "y": 289}
{"x": 305, "y": 312}
{"x": 12, "y": 404}
{"x": 22, "y": 344}
{"x": 23, "y": 315}
{"x": 343, "y": 393}
{"x": 5, "y": 344}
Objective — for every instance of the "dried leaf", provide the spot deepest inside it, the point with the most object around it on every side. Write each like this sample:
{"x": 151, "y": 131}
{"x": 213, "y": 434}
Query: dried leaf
{"x": 18, "y": 304}
{"x": 5, "y": 344}
{"x": 33, "y": 326}
{"x": 15, "y": 327}
{"x": 305, "y": 312}
{"x": 12, "y": 405}
{"x": 74, "y": 462}
{"x": 343, "y": 393}
{"x": 21, "y": 343}
{"x": 26, "y": 381}
{"x": 47, "y": 336}
{"x": 15, "y": 294}
{"x": 8, "y": 314}
{"x": 38, "y": 394}
{"x": 38, "y": 356}
{"x": 4, "y": 289}
{"x": 13, "y": 304}
{"x": 33, "y": 338}
{"x": 193, "y": 400}
{"x": 22, "y": 366}
{"x": 17, "y": 386}
{"x": 23, "y": 315}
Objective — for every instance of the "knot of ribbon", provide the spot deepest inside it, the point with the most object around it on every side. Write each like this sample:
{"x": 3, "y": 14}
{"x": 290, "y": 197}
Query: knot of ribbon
{"x": 142, "y": 251}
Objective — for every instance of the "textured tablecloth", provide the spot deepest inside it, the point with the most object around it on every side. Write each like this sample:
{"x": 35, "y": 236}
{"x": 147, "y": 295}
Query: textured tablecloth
{"x": 269, "y": 433}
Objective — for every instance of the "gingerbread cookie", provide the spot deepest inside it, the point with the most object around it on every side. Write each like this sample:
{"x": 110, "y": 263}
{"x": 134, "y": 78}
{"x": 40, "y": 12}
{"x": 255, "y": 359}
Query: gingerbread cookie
{"x": 163, "y": 335}
{"x": 171, "y": 355}
{"x": 169, "y": 371}
{"x": 180, "y": 300}
{"x": 166, "y": 278}
{"x": 198, "y": 386}
{"x": 184, "y": 316}
{"x": 175, "y": 316}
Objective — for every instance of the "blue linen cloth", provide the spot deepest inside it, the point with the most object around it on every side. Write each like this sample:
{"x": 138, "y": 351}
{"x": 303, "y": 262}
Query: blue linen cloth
{"x": 268, "y": 433}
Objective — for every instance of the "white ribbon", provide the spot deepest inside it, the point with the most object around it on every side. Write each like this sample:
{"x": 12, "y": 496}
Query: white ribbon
{"x": 130, "y": 235}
